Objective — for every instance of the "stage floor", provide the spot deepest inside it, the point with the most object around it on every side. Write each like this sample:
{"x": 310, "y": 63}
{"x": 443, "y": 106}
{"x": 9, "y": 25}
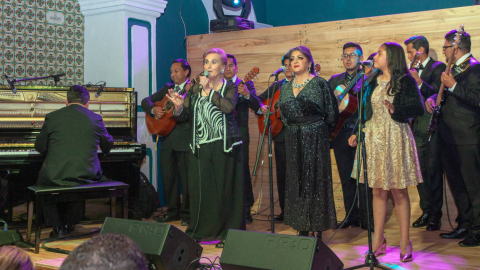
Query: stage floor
{"x": 430, "y": 251}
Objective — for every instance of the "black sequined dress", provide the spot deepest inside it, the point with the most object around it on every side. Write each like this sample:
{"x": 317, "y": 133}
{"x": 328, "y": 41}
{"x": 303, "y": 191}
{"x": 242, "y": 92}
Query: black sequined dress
{"x": 309, "y": 202}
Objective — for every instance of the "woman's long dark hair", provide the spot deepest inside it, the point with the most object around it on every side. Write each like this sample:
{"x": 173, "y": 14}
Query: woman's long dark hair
{"x": 397, "y": 64}
{"x": 305, "y": 51}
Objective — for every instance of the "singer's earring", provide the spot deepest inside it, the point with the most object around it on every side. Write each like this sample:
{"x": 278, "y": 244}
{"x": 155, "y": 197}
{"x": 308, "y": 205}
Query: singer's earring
{"x": 309, "y": 69}
{"x": 223, "y": 71}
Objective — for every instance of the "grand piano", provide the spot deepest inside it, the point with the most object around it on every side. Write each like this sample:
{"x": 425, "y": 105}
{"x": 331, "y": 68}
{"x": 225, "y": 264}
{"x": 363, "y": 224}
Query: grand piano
{"x": 21, "y": 118}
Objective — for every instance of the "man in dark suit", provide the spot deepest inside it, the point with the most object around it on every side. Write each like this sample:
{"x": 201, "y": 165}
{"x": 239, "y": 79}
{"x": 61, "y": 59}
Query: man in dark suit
{"x": 459, "y": 131}
{"x": 175, "y": 147}
{"x": 70, "y": 138}
{"x": 428, "y": 77}
{"x": 344, "y": 154}
{"x": 279, "y": 140}
{"x": 247, "y": 98}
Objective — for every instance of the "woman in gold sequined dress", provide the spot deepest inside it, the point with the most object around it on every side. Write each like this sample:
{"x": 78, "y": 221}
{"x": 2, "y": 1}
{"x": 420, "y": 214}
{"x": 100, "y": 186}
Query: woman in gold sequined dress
{"x": 391, "y": 98}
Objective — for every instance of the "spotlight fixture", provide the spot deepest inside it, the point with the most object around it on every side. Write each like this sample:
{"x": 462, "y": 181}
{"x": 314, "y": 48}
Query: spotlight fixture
{"x": 228, "y": 22}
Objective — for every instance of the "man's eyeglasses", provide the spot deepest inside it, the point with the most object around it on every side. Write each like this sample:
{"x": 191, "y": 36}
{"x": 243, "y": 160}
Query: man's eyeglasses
{"x": 445, "y": 47}
{"x": 346, "y": 56}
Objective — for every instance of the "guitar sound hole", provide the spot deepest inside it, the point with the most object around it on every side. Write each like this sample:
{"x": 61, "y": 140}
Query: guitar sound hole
{"x": 168, "y": 106}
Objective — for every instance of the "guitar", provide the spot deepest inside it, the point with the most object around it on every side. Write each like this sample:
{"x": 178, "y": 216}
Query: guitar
{"x": 415, "y": 64}
{"x": 347, "y": 103}
{"x": 317, "y": 69}
{"x": 438, "y": 103}
{"x": 274, "y": 112}
{"x": 163, "y": 126}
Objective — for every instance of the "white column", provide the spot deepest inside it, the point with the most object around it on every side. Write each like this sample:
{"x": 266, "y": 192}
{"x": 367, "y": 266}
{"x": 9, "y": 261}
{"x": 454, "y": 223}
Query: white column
{"x": 120, "y": 49}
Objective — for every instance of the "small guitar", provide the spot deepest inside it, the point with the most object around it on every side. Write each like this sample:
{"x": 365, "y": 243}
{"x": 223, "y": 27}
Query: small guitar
{"x": 163, "y": 126}
{"x": 438, "y": 104}
{"x": 317, "y": 69}
{"x": 415, "y": 64}
{"x": 274, "y": 112}
{"x": 347, "y": 103}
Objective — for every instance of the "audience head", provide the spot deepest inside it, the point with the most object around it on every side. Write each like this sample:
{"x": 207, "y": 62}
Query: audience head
{"x": 14, "y": 258}
{"x": 111, "y": 251}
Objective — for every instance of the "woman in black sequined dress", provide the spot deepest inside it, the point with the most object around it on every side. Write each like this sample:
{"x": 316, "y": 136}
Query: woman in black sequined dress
{"x": 309, "y": 109}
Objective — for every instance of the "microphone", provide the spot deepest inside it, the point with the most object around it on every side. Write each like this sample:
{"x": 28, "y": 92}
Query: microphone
{"x": 11, "y": 83}
{"x": 59, "y": 75}
{"x": 206, "y": 73}
{"x": 278, "y": 71}
{"x": 99, "y": 92}
{"x": 368, "y": 63}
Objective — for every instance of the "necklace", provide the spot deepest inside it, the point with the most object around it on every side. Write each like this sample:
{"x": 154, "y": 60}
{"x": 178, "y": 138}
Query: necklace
{"x": 294, "y": 84}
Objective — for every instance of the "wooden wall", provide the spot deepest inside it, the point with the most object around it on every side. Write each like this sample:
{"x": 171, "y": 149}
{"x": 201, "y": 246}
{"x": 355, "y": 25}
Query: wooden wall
{"x": 264, "y": 48}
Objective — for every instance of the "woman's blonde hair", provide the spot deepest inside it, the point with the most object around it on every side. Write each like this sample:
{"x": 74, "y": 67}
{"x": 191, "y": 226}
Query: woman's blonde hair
{"x": 14, "y": 258}
{"x": 218, "y": 51}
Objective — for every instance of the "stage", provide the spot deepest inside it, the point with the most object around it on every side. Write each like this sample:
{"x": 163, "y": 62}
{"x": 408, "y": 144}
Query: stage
{"x": 430, "y": 251}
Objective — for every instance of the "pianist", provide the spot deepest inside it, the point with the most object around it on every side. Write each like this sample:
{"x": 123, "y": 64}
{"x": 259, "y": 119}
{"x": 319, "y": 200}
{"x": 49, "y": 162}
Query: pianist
{"x": 69, "y": 139}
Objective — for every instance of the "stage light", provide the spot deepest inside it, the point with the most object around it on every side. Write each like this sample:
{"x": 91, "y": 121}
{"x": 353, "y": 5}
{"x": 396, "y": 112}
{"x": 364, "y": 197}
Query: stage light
{"x": 231, "y": 22}
{"x": 218, "y": 5}
{"x": 233, "y": 3}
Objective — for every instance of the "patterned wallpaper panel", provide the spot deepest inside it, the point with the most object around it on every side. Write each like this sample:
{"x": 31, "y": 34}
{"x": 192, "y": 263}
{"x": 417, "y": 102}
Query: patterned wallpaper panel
{"x": 30, "y": 46}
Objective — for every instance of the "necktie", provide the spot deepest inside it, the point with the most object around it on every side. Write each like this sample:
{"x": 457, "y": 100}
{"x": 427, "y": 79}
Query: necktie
{"x": 421, "y": 67}
{"x": 177, "y": 88}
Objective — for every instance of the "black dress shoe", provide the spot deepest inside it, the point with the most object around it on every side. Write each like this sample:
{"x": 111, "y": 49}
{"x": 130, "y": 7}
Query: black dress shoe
{"x": 220, "y": 244}
{"x": 471, "y": 241}
{"x": 303, "y": 233}
{"x": 168, "y": 218}
{"x": 421, "y": 221}
{"x": 185, "y": 222}
{"x": 279, "y": 218}
{"x": 56, "y": 232}
{"x": 69, "y": 228}
{"x": 434, "y": 225}
{"x": 458, "y": 233}
{"x": 349, "y": 223}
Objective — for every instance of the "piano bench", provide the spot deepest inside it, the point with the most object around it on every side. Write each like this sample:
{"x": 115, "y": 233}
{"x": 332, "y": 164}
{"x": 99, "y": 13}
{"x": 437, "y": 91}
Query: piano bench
{"x": 57, "y": 194}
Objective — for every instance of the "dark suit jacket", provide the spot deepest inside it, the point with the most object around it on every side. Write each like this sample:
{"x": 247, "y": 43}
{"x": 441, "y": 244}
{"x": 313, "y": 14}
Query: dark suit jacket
{"x": 244, "y": 104}
{"x": 265, "y": 95}
{"x": 179, "y": 138}
{"x": 70, "y": 138}
{"x": 431, "y": 77}
{"x": 459, "y": 122}
{"x": 339, "y": 79}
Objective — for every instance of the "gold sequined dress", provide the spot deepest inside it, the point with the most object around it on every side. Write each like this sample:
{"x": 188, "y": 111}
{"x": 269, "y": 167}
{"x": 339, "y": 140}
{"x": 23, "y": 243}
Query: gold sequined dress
{"x": 392, "y": 160}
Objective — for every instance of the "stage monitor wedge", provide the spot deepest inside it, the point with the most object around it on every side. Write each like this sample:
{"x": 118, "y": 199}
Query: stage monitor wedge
{"x": 166, "y": 245}
{"x": 245, "y": 250}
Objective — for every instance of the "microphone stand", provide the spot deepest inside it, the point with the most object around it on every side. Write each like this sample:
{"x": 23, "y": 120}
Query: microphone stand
{"x": 56, "y": 79}
{"x": 370, "y": 261}
{"x": 268, "y": 123}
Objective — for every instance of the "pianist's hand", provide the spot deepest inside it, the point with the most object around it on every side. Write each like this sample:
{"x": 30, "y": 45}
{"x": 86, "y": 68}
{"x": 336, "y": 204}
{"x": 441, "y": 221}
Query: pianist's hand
{"x": 176, "y": 99}
{"x": 158, "y": 112}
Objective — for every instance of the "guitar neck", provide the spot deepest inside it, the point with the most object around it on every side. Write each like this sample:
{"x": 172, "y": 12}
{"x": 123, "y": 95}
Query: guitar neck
{"x": 442, "y": 86}
{"x": 349, "y": 87}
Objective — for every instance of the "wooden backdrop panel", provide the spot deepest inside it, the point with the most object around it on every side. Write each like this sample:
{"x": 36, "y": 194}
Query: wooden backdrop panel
{"x": 264, "y": 48}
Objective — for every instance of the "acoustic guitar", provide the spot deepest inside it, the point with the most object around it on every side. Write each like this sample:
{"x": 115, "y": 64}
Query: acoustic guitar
{"x": 274, "y": 112}
{"x": 163, "y": 126}
{"x": 438, "y": 104}
{"x": 347, "y": 103}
